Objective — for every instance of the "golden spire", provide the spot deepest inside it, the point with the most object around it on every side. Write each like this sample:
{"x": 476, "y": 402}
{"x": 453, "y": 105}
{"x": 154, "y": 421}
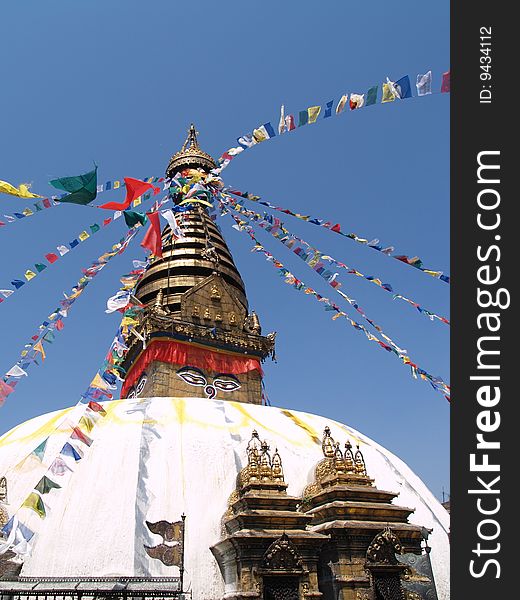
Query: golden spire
{"x": 190, "y": 156}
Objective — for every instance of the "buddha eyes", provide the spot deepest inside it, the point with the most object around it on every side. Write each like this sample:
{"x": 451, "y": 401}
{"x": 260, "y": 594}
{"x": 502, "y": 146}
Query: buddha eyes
{"x": 192, "y": 377}
{"x": 222, "y": 382}
{"x": 226, "y": 385}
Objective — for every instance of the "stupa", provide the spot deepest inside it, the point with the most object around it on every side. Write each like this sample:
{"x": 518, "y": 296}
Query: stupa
{"x": 192, "y": 486}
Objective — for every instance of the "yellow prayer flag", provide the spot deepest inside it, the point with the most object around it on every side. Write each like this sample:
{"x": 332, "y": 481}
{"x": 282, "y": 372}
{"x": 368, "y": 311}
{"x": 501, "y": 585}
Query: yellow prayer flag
{"x": 27, "y": 212}
{"x": 22, "y": 191}
{"x": 98, "y": 382}
{"x": 116, "y": 184}
{"x": 87, "y": 423}
{"x": 34, "y": 502}
{"x": 38, "y": 347}
{"x": 29, "y": 275}
{"x": 83, "y": 236}
{"x": 388, "y": 95}
{"x": 259, "y": 135}
{"x": 137, "y": 201}
{"x": 314, "y": 112}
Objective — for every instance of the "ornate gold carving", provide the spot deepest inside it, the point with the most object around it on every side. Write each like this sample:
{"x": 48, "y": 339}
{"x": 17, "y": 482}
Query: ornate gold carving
{"x": 261, "y": 466}
{"x": 282, "y": 555}
{"x": 215, "y": 293}
{"x": 195, "y": 311}
{"x": 232, "y": 319}
{"x": 207, "y": 313}
{"x": 384, "y": 547}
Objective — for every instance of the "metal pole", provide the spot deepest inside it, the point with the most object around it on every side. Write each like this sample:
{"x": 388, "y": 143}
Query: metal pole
{"x": 183, "y": 517}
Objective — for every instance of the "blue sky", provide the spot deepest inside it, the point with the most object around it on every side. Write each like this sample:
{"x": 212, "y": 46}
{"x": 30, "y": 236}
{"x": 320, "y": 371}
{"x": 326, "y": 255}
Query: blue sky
{"x": 119, "y": 82}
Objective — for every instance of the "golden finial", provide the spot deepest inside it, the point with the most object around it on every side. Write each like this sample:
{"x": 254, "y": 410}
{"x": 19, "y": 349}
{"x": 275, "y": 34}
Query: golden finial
{"x": 327, "y": 444}
{"x": 191, "y": 156}
{"x": 360, "y": 462}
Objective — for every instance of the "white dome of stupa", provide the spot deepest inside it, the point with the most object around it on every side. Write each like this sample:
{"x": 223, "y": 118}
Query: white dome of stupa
{"x": 153, "y": 459}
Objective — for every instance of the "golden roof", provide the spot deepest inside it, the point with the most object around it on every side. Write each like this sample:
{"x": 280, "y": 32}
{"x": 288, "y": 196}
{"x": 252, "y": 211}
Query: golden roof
{"x": 190, "y": 156}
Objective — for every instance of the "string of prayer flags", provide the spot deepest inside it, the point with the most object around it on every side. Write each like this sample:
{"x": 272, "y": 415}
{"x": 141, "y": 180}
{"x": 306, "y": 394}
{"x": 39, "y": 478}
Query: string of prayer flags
{"x": 415, "y": 261}
{"x": 329, "y": 277}
{"x": 47, "y": 328}
{"x": 22, "y": 191}
{"x": 436, "y": 382}
{"x": 52, "y": 257}
{"x": 82, "y": 188}
{"x": 399, "y": 89}
{"x": 134, "y": 189}
{"x": 316, "y": 259}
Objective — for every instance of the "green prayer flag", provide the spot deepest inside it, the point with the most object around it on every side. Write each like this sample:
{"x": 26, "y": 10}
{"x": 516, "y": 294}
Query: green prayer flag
{"x": 94, "y": 228}
{"x": 371, "y": 96}
{"x": 133, "y": 217}
{"x": 82, "y": 188}
{"x": 39, "y": 451}
{"x": 38, "y": 206}
{"x": 45, "y": 485}
{"x": 34, "y": 502}
{"x": 40, "y": 267}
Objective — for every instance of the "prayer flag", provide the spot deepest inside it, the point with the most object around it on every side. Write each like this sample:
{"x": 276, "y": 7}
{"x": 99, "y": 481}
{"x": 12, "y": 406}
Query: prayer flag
{"x": 134, "y": 189}
{"x": 69, "y": 450}
{"x": 22, "y": 191}
{"x": 281, "y": 124}
{"x": 169, "y": 215}
{"x": 388, "y": 95}
{"x": 303, "y": 118}
{"x": 313, "y": 112}
{"x": 97, "y": 408}
{"x": 341, "y": 104}
{"x": 402, "y": 88}
{"x": 260, "y": 134}
{"x": 83, "y": 236}
{"x": 94, "y": 228}
{"x": 246, "y": 141}
{"x": 328, "y": 109}
{"x": 29, "y": 275}
{"x": 5, "y": 390}
{"x": 446, "y": 85}
{"x": 17, "y": 283}
{"x": 40, "y": 267}
{"x": 51, "y": 257}
{"x": 74, "y": 243}
{"x": 45, "y": 485}
{"x": 356, "y": 101}
{"x": 82, "y": 188}
{"x": 269, "y": 129}
{"x": 77, "y": 434}
{"x": 371, "y": 96}
{"x": 59, "y": 467}
{"x": 132, "y": 218}
{"x": 38, "y": 347}
{"x": 62, "y": 250}
{"x": 289, "y": 122}
{"x": 424, "y": 84}
{"x": 34, "y": 502}
{"x": 152, "y": 239}
{"x": 6, "y": 293}
{"x": 39, "y": 451}
{"x": 27, "y": 212}
{"x": 16, "y": 371}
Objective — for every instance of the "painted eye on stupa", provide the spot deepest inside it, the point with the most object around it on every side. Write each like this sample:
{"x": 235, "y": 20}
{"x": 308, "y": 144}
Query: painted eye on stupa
{"x": 140, "y": 386}
{"x": 226, "y": 383}
{"x": 192, "y": 376}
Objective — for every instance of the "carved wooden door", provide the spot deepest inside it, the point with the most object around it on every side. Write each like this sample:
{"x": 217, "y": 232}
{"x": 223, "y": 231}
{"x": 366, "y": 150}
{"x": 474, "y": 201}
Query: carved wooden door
{"x": 281, "y": 588}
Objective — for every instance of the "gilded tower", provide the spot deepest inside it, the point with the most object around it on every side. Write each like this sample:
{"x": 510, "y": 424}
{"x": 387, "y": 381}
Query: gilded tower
{"x": 196, "y": 333}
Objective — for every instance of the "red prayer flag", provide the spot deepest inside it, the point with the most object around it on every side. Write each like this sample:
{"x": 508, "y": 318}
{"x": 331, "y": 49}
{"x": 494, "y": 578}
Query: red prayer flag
{"x": 107, "y": 221}
{"x": 59, "y": 325}
{"x": 134, "y": 189}
{"x": 336, "y": 228}
{"x": 152, "y": 239}
{"x": 445, "y": 86}
{"x": 51, "y": 257}
{"x": 97, "y": 408}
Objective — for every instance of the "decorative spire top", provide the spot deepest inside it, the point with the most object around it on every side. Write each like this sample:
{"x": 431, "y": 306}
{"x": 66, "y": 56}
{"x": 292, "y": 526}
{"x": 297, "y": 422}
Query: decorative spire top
{"x": 190, "y": 156}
